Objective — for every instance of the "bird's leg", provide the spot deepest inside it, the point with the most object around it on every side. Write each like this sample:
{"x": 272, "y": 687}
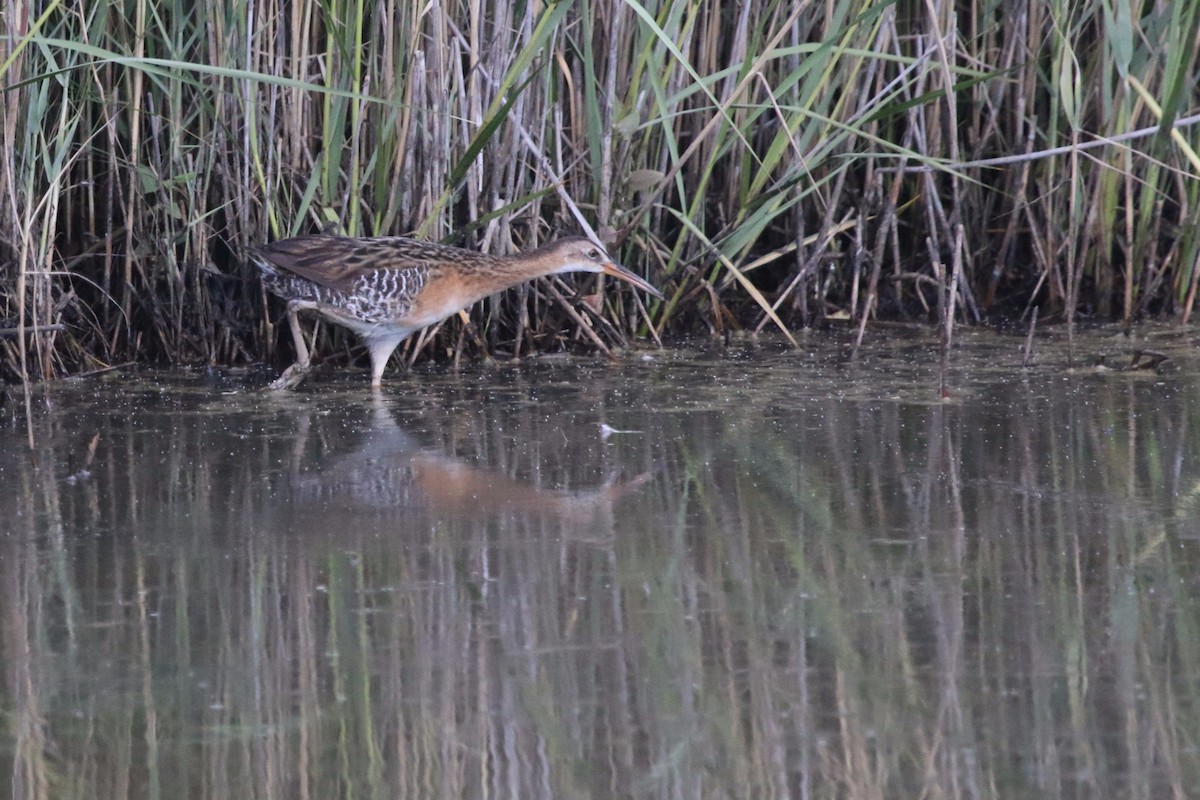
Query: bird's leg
{"x": 302, "y": 355}
{"x": 381, "y": 349}
{"x": 292, "y": 376}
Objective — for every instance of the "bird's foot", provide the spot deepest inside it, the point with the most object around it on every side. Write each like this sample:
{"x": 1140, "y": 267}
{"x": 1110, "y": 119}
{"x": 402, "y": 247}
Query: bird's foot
{"x": 290, "y": 378}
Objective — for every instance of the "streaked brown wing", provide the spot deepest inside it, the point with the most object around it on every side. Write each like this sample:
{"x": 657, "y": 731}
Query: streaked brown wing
{"x": 338, "y": 262}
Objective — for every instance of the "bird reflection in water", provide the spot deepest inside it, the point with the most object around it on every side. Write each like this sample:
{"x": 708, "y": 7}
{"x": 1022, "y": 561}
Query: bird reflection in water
{"x": 390, "y": 474}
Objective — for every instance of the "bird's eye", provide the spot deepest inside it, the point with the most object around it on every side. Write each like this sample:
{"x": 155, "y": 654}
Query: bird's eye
{"x": 593, "y": 253}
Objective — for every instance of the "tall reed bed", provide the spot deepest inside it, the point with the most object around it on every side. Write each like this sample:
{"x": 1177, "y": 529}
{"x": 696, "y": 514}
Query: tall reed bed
{"x": 766, "y": 163}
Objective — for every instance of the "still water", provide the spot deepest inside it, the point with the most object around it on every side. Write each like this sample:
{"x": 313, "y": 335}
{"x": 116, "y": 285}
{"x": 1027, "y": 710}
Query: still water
{"x": 790, "y": 576}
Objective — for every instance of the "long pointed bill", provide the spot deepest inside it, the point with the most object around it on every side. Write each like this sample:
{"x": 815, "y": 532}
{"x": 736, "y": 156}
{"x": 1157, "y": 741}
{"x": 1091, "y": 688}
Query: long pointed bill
{"x": 617, "y": 271}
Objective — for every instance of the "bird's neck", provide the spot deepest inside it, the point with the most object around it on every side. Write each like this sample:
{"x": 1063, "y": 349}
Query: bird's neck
{"x": 500, "y": 272}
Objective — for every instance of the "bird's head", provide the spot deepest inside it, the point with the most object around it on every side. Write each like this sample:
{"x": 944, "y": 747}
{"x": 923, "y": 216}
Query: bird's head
{"x": 578, "y": 254}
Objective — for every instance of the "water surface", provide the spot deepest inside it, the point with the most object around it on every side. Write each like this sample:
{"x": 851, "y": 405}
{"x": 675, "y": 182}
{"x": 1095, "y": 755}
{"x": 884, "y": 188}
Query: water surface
{"x": 791, "y": 576}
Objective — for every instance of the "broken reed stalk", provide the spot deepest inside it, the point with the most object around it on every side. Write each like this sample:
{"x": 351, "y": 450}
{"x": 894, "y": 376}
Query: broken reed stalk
{"x": 1027, "y": 351}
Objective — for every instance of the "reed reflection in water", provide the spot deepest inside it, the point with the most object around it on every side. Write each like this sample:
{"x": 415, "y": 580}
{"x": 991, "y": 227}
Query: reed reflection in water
{"x": 794, "y": 581}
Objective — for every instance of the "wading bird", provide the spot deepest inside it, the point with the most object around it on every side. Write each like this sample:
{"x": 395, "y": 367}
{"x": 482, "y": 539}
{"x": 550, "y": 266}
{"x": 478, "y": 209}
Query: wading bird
{"x": 386, "y": 288}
